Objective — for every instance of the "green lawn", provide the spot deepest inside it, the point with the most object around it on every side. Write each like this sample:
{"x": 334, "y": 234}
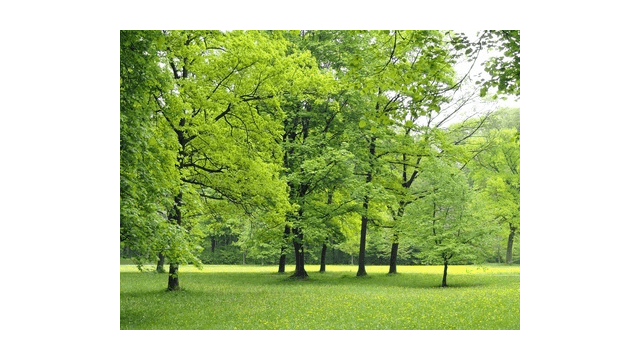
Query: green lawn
{"x": 256, "y": 297}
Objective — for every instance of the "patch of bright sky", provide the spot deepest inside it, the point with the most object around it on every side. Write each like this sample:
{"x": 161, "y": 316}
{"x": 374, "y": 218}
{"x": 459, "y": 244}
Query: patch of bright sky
{"x": 477, "y": 106}
{"x": 478, "y": 70}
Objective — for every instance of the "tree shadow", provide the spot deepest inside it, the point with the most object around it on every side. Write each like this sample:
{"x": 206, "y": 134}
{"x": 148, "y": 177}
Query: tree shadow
{"x": 191, "y": 283}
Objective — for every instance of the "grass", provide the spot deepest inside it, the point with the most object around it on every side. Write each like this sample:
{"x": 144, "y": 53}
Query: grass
{"x": 257, "y": 297}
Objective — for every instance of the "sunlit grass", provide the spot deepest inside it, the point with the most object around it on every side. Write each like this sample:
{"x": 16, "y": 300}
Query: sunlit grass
{"x": 257, "y": 297}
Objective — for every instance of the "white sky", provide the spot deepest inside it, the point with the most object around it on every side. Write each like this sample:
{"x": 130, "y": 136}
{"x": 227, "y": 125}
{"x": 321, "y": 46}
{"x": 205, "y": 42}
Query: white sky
{"x": 478, "y": 106}
{"x": 478, "y": 69}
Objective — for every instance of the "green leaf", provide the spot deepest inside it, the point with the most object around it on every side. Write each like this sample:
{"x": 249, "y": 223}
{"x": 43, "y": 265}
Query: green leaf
{"x": 362, "y": 123}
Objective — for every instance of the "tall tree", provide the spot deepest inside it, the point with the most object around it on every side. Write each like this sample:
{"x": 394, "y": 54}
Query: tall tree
{"x": 223, "y": 114}
{"x": 414, "y": 79}
{"x": 451, "y": 220}
{"x": 407, "y": 75}
{"x": 318, "y": 157}
{"x": 315, "y": 163}
{"x": 147, "y": 176}
{"x": 504, "y": 76}
{"x": 496, "y": 174}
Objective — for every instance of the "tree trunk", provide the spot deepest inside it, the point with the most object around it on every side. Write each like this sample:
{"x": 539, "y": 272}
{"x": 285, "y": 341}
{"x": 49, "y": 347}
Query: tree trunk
{"x": 394, "y": 258}
{"x": 394, "y": 246}
{"x": 160, "y": 266}
{"x": 365, "y": 206}
{"x": 444, "y": 275}
{"x": 512, "y": 232}
{"x": 363, "y": 236}
{"x": 363, "y": 241}
{"x": 173, "y": 277}
{"x": 299, "y": 251}
{"x": 283, "y": 258}
{"x": 323, "y": 257}
{"x": 173, "y": 267}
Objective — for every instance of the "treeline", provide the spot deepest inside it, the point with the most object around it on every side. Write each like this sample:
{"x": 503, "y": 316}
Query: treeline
{"x": 286, "y": 144}
{"x": 225, "y": 249}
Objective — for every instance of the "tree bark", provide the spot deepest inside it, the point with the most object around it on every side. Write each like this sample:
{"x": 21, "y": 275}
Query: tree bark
{"x": 323, "y": 257}
{"x": 363, "y": 241}
{"x": 299, "y": 251}
{"x": 394, "y": 246}
{"x": 173, "y": 277}
{"x": 160, "y": 266}
{"x": 512, "y": 232}
{"x": 394, "y": 257}
{"x": 173, "y": 267}
{"x": 444, "y": 275}
{"x": 365, "y": 206}
{"x": 283, "y": 258}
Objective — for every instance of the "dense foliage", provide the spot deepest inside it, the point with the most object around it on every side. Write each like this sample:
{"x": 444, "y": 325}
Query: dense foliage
{"x": 248, "y": 146}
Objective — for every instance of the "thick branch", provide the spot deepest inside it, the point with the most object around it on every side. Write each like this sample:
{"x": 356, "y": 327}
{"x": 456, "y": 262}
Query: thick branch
{"x": 210, "y": 171}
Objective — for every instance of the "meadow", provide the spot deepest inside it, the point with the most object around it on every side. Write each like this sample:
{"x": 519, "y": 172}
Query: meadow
{"x": 227, "y": 297}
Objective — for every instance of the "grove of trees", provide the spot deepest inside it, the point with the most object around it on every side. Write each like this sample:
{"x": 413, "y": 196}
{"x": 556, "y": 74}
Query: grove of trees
{"x": 285, "y": 146}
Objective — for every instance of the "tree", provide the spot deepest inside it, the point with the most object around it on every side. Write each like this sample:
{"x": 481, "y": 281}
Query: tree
{"x": 496, "y": 175}
{"x": 421, "y": 135}
{"x": 409, "y": 74}
{"x": 451, "y": 220}
{"x": 398, "y": 77}
{"x": 221, "y": 120}
{"x": 349, "y": 227}
{"x": 147, "y": 175}
{"x": 317, "y": 158}
{"x": 316, "y": 166}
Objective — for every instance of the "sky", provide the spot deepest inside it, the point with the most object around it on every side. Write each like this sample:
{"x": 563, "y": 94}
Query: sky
{"x": 463, "y": 66}
{"x": 479, "y": 105}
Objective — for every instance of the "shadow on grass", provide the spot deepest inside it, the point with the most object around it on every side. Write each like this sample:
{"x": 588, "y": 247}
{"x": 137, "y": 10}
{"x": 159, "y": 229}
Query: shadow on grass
{"x": 202, "y": 283}
{"x": 349, "y": 279}
{"x": 133, "y": 294}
